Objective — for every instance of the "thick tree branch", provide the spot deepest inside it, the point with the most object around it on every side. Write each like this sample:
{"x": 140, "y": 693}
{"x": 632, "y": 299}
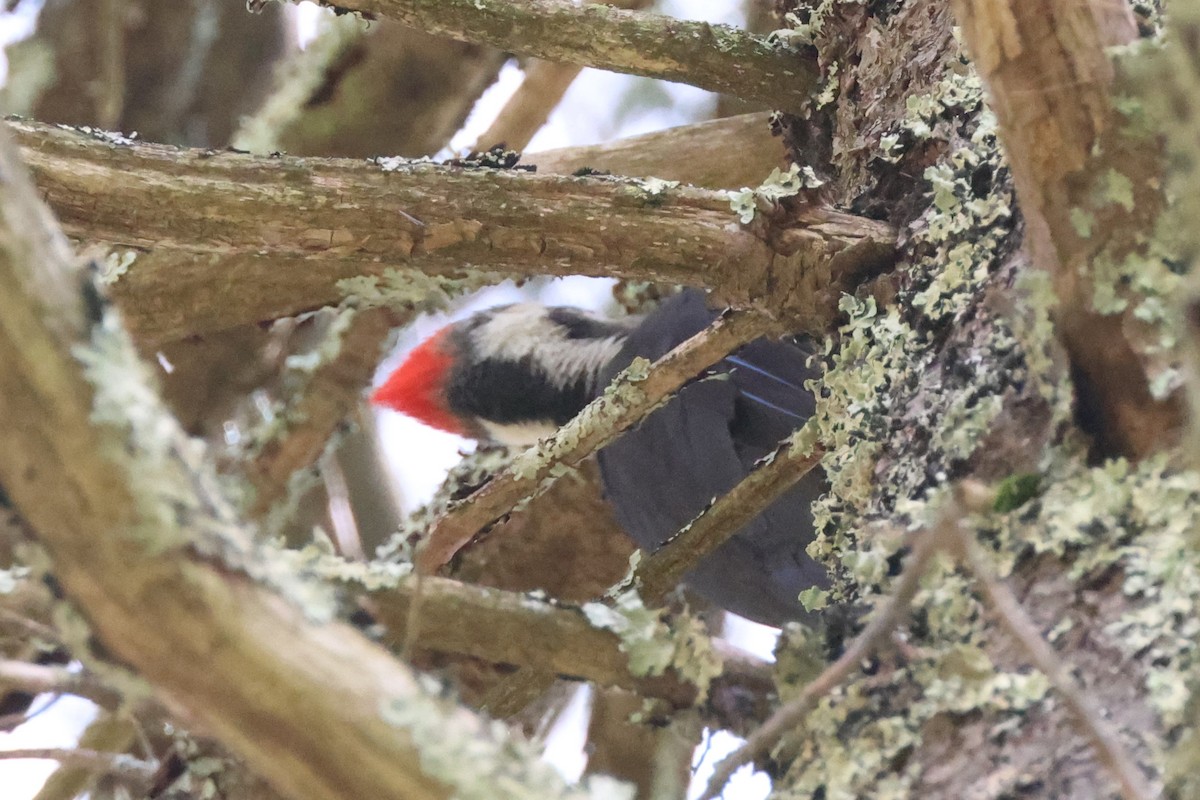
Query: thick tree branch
{"x": 538, "y": 95}
{"x": 315, "y": 708}
{"x": 511, "y": 628}
{"x": 1090, "y": 188}
{"x": 223, "y": 239}
{"x": 713, "y": 57}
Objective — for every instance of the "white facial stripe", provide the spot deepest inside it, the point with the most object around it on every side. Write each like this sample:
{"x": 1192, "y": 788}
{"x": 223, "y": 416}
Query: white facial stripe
{"x": 521, "y": 434}
{"x": 525, "y": 329}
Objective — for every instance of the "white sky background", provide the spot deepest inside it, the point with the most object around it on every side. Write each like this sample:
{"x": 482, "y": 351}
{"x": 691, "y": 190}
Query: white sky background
{"x": 599, "y": 107}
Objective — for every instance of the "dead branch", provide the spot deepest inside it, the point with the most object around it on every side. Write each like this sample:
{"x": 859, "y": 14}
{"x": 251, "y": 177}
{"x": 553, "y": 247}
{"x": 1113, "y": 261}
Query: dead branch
{"x": 631, "y": 397}
{"x": 219, "y": 239}
{"x": 1052, "y": 86}
{"x": 713, "y": 57}
{"x": 246, "y": 665}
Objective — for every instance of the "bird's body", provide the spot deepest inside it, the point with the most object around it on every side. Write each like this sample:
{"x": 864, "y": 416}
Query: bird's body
{"x": 515, "y": 373}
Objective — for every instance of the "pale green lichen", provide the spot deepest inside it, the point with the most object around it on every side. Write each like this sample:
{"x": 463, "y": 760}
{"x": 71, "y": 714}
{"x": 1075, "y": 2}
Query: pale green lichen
{"x": 178, "y": 499}
{"x": 407, "y": 289}
{"x": 502, "y": 766}
{"x": 116, "y": 264}
{"x": 778, "y": 185}
{"x": 655, "y": 645}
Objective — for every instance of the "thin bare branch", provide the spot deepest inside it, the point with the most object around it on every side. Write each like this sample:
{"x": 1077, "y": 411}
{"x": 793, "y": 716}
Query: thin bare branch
{"x": 1113, "y": 755}
{"x": 713, "y": 57}
{"x": 634, "y": 394}
{"x": 38, "y": 679}
{"x": 208, "y": 240}
{"x": 893, "y": 611}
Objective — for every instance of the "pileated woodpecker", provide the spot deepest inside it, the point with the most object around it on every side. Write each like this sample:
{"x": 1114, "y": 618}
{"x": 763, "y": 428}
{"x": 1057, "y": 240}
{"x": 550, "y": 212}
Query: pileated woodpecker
{"x": 515, "y": 373}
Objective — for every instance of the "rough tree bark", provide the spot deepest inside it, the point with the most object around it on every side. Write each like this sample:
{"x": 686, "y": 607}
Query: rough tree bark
{"x": 1019, "y": 336}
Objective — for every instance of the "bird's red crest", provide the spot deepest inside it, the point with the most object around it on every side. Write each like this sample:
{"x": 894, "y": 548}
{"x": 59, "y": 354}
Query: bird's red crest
{"x": 417, "y": 387}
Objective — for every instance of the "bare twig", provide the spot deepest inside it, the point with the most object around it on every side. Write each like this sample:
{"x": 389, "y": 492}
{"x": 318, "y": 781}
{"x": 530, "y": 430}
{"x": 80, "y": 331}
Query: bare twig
{"x": 886, "y": 618}
{"x": 117, "y": 764}
{"x": 1112, "y": 754}
{"x": 38, "y": 679}
{"x": 630, "y": 398}
{"x": 713, "y": 57}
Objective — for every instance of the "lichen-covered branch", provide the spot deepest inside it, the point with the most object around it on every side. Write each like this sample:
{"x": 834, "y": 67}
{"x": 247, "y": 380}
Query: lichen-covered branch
{"x": 326, "y": 399}
{"x": 788, "y": 465}
{"x": 713, "y": 57}
{"x": 637, "y": 391}
{"x": 538, "y": 95}
{"x": 205, "y": 240}
{"x": 116, "y": 495}
{"x": 510, "y": 628}
{"x": 892, "y": 612}
{"x": 1091, "y": 188}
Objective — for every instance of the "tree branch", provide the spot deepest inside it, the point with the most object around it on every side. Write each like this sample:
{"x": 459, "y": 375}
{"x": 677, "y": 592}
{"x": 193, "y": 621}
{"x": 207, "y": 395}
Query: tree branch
{"x": 333, "y": 390}
{"x": 630, "y": 398}
{"x": 224, "y": 238}
{"x": 722, "y": 153}
{"x": 1111, "y": 753}
{"x": 713, "y": 57}
{"x": 512, "y": 628}
{"x": 38, "y": 679}
{"x": 256, "y": 671}
{"x": 791, "y": 715}
{"x": 783, "y": 469}
{"x": 536, "y": 98}
{"x": 1052, "y": 86}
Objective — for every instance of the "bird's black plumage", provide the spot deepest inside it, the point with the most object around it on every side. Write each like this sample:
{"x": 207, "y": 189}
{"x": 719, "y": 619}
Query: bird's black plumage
{"x": 660, "y": 475}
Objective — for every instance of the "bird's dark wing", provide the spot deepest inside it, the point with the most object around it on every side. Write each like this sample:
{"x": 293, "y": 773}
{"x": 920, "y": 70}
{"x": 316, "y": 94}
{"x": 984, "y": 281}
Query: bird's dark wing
{"x": 663, "y": 473}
